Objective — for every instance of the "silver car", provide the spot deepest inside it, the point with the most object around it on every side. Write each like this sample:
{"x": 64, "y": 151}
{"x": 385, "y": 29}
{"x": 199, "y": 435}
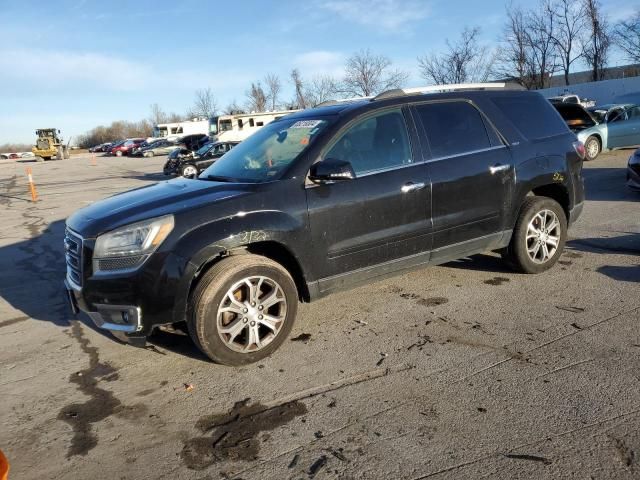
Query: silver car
{"x": 604, "y": 127}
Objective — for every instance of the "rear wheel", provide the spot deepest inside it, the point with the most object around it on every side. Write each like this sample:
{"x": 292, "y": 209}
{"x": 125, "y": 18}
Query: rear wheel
{"x": 538, "y": 237}
{"x": 592, "y": 147}
{"x": 242, "y": 309}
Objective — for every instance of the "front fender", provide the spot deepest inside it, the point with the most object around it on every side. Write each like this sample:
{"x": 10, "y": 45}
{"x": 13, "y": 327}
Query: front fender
{"x": 209, "y": 241}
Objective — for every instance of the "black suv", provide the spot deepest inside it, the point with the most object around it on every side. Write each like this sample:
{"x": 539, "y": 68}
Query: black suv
{"x": 324, "y": 199}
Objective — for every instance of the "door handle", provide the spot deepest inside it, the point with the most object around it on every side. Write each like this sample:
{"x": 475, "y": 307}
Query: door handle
{"x": 498, "y": 168}
{"x": 412, "y": 187}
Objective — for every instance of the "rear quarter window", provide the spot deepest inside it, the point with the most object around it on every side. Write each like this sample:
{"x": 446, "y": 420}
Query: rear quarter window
{"x": 532, "y": 115}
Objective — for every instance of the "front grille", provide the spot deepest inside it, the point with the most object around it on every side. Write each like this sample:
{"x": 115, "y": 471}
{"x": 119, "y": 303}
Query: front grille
{"x": 73, "y": 256}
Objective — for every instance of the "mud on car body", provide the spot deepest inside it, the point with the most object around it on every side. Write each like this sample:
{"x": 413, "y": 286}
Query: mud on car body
{"x": 322, "y": 200}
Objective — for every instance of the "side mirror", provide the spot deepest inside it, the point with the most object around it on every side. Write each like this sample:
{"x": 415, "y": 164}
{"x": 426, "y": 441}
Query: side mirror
{"x": 331, "y": 170}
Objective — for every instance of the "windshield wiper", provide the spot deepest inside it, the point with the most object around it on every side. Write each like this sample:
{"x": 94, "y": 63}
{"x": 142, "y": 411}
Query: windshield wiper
{"x": 216, "y": 178}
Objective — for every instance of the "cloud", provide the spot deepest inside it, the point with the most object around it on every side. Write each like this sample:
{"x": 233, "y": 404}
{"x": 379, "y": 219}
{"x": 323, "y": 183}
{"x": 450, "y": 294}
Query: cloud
{"x": 54, "y": 70}
{"x": 320, "y": 62}
{"x": 390, "y": 15}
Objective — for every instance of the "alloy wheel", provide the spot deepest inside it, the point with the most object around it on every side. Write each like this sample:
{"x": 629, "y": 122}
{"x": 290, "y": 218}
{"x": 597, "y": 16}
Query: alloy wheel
{"x": 593, "y": 148}
{"x": 543, "y": 236}
{"x": 189, "y": 171}
{"x": 251, "y": 314}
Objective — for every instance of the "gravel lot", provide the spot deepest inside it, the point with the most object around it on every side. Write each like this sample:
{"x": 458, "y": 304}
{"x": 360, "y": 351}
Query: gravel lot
{"x": 461, "y": 371}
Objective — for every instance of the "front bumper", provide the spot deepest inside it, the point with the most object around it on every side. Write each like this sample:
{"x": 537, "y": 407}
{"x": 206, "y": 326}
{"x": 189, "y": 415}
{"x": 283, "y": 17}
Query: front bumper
{"x": 128, "y": 303}
{"x": 123, "y": 321}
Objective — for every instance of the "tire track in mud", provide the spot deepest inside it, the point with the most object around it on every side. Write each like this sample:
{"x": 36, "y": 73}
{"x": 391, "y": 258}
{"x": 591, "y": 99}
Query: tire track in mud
{"x": 101, "y": 403}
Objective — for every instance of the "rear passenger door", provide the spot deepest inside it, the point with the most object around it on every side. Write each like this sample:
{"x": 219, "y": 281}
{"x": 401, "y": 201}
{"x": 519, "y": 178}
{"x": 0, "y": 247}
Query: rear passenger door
{"x": 471, "y": 172}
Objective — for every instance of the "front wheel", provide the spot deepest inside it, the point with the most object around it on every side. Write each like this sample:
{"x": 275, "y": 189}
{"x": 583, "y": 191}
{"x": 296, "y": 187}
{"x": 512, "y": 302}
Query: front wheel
{"x": 189, "y": 171}
{"x": 242, "y": 309}
{"x": 538, "y": 237}
{"x": 592, "y": 148}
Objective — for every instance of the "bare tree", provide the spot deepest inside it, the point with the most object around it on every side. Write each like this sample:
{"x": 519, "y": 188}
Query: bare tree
{"x": 464, "y": 61}
{"x": 542, "y": 29}
{"x": 274, "y": 86}
{"x": 528, "y": 52}
{"x": 298, "y": 85}
{"x": 256, "y": 98}
{"x": 596, "y": 49}
{"x": 514, "y": 52}
{"x": 157, "y": 115}
{"x": 204, "y": 104}
{"x": 627, "y": 37}
{"x": 233, "y": 109}
{"x": 320, "y": 89}
{"x": 174, "y": 117}
{"x": 367, "y": 74}
{"x": 569, "y": 34}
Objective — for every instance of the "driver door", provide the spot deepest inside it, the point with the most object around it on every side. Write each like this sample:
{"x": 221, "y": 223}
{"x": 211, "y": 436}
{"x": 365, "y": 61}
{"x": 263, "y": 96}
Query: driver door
{"x": 625, "y": 130}
{"x": 381, "y": 216}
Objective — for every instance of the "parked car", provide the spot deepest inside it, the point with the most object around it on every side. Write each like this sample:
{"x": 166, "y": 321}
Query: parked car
{"x": 136, "y": 151}
{"x": 324, "y": 199}
{"x": 571, "y": 98}
{"x": 193, "y": 165}
{"x": 188, "y": 146}
{"x": 603, "y": 128}
{"x": 160, "y": 147}
{"x": 125, "y": 147}
{"x": 102, "y": 147}
{"x": 633, "y": 171}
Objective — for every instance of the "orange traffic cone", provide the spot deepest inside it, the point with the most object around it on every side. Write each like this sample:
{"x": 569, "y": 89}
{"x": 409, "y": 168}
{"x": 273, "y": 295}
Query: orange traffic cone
{"x": 4, "y": 467}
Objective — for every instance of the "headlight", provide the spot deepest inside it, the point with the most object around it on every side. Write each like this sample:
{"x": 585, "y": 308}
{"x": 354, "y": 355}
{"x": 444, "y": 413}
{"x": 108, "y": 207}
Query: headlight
{"x": 127, "y": 247}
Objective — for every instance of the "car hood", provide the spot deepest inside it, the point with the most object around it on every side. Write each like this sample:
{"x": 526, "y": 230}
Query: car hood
{"x": 576, "y": 117}
{"x": 169, "y": 197}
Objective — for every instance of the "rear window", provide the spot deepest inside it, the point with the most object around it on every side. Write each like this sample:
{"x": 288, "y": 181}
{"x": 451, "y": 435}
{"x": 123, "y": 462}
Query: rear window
{"x": 532, "y": 115}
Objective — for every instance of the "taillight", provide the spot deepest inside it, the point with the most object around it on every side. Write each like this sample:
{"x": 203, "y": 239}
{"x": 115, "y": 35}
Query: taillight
{"x": 580, "y": 150}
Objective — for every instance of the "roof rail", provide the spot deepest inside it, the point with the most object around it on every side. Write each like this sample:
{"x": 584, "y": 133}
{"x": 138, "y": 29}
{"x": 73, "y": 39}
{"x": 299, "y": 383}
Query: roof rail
{"x": 341, "y": 100}
{"x": 400, "y": 92}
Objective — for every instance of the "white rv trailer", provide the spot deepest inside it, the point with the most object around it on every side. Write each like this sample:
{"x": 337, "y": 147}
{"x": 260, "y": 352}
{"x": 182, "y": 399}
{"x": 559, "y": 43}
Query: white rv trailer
{"x": 235, "y": 128}
{"x": 228, "y": 128}
{"x": 180, "y": 129}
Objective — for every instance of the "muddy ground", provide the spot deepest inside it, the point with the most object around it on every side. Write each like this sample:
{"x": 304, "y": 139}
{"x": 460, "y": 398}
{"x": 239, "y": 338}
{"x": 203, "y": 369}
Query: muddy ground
{"x": 466, "y": 370}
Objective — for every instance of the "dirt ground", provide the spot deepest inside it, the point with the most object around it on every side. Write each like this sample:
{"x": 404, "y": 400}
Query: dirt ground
{"x": 466, "y": 370}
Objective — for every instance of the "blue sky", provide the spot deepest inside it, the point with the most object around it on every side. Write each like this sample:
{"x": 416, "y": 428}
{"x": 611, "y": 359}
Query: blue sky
{"x": 91, "y": 62}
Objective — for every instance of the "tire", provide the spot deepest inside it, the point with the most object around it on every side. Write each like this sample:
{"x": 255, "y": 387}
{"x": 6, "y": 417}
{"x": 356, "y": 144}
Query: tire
{"x": 519, "y": 254}
{"x": 205, "y": 322}
{"x": 592, "y": 147}
{"x": 118, "y": 153}
{"x": 189, "y": 171}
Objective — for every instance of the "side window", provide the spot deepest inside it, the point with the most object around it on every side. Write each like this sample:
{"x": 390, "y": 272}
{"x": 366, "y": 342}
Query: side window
{"x": 634, "y": 113}
{"x": 616, "y": 115}
{"x": 453, "y": 128}
{"x": 375, "y": 143}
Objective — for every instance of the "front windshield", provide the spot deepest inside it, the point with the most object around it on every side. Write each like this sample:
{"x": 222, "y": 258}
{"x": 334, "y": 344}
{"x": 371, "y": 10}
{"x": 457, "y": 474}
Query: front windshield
{"x": 266, "y": 153}
{"x": 204, "y": 149}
